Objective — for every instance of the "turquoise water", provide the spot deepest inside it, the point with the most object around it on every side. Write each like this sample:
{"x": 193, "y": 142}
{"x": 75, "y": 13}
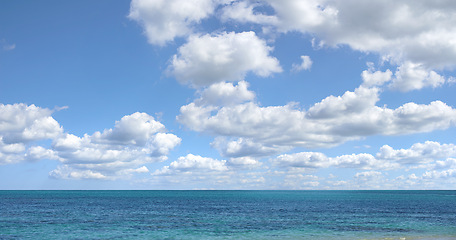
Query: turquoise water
{"x": 227, "y": 214}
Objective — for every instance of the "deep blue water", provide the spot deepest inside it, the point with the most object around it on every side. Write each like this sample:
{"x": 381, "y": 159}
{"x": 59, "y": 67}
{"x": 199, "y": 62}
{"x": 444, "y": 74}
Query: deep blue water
{"x": 227, "y": 214}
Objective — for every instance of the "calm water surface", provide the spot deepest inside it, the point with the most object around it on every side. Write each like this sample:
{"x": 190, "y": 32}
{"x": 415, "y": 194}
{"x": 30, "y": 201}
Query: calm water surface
{"x": 227, "y": 214}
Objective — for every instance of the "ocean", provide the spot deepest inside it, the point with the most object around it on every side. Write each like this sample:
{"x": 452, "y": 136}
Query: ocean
{"x": 228, "y": 215}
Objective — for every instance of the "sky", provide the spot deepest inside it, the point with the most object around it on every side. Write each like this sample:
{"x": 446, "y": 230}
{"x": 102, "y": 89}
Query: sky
{"x": 222, "y": 94}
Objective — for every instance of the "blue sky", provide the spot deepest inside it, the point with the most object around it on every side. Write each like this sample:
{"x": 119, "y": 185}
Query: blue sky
{"x": 220, "y": 94}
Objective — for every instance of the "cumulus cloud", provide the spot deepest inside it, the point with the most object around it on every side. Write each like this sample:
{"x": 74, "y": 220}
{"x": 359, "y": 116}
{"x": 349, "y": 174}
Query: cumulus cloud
{"x": 418, "y": 37}
{"x": 191, "y": 163}
{"x": 135, "y": 140}
{"x": 241, "y": 147}
{"x": 418, "y": 153}
{"x": 387, "y": 158}
{"x": 21, "y": 128}
{"x": 411, "y": 76}
{"x": 163, "y": 20}
{"x": 373, "y": 78}
{"x": 306, "y": 64}
{"x": 319, "y": 160}
{"x": 209, "y": 59}
{"x": 223, "y": 93}
{"x": 243, "y": 11}
{"x": 247, "y": 129}
{"x": 24, "y": 123}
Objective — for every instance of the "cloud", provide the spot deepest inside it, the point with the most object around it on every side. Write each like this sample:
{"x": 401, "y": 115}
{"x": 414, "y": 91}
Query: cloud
{"x": 209, "y": 59}
{"x": 418, "y": 32}
{"x": 306, "y": 64}
{"x": 191, "y": 163}
{"x": 7, "y": 46}
{"x": 223, "y": 93}
{"x": 22, "y": 127}
{"x": 247, "y": 129}
{"x": 312, "y": 160}
{"x": 135, "y": 140}
{"x": 373, "y": 78}
{"x": 410, "y": 76}
{"x": 418, "y": 36}
{"x": 241, "y": 147}
{"x": 243, "y": 11}
{"x": 163, "y": 20}
{"x": 21, "y": 123}
{"x": 418, "y": 153}
{"x": 387, "y": 158}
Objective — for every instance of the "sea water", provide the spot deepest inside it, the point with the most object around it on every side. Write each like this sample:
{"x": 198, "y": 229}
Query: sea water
{"x": 227, "y": 214}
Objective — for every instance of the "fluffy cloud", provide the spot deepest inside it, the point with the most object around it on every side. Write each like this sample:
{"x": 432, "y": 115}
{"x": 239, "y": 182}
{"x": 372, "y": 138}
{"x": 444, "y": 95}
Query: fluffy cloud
{"x": 163, "y": 20}
{"x": 420, "y": 32}
{"x": 319, "y": 160}
{"x": 135, "y": 140}
{"x": 373, "y": 78}
{"x": 210, "y": 59}
{"x": 223, "y": 93}
{"x": 387, "y": 158}
{"x": 304, "y": 65}
{"x": 241, "y": 147}
{"x": 419, "y": 152}
{"x": 418, "y": 36}
{"x": 23, "y": 125}
{"x": 192, "y": 163}
{"x": 410, "y": 76}
{"x": 243, "y": 11}
{"x": 252, "y": 130}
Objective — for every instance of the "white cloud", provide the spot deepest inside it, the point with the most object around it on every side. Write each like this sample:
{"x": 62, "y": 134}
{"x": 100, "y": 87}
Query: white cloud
{"x": 244, "y": 162}
{"x": 363, "y": 161}
{"x": 23, "y": 123}
{"x": 248, "y": 129}
{"x": 65, "y": 172}
{"x": 193, "y": 163}
{"x": 306, "y": 64}
{"x": 450, "y": 173}
{"x": 319, "y": 160}
{"x": 373, "y": 78}
{"x": 223, "y": 93}
{"x": 300, "y": 181}
{"x": 368, "y": 176}
{"x": 243, "y": 11}
{"x": 360, "y": 100}
{"x": 303, "y": 160}
{"x": 163, "y": 20}
{"x": 242, "y": 147}
{"x": 35, "y": 153}
{"x": 401, "y": 32}
{"x": 209, "y": 59}
{"x": 447, "y": 164}
{"x": 135, "y": 140}
{"x": 411, "y": 76}
{"x": 418, "y": 153}
{"x": 21, "y": 128}
{"x": 387, "y": 158}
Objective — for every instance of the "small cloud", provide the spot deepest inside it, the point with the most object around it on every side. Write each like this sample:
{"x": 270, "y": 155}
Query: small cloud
{"x": 6, "y": 46}
{"x": 451, "y": 80}
{"x": 57, "y": 108}
{"x": 305, "y": 65}
{"x": 9, "y": 47}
